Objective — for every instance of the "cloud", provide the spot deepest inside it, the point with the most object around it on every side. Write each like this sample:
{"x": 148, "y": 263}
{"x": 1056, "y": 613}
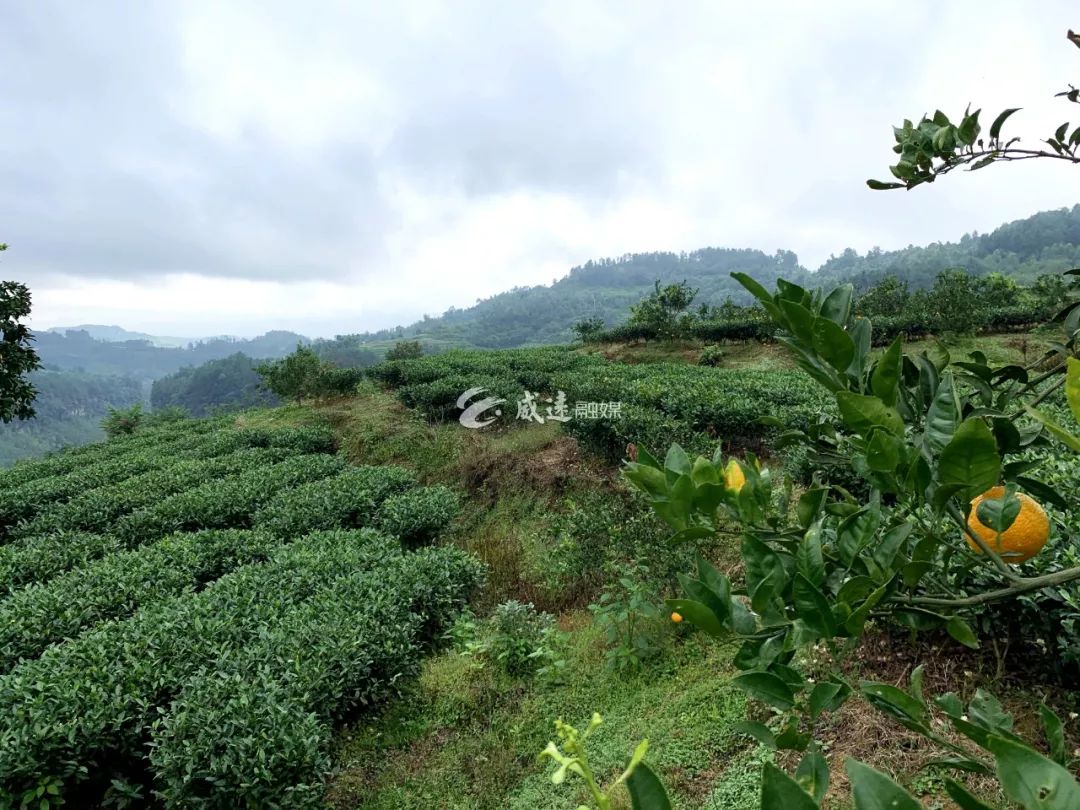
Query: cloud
{"x": 338, "y": 165}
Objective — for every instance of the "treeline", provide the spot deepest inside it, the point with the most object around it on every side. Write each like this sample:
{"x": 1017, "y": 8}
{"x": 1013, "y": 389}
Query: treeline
{"x": 957, "y": 302}
{"x": 230, "y": 384}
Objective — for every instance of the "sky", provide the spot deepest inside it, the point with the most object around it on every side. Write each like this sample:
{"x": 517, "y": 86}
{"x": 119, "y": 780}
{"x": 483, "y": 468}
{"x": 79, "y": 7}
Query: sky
{"x": 230, "y": 167}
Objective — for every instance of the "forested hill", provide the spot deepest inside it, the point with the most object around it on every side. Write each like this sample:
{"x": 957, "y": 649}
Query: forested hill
{"x": 79, "y": 351}
{"x": 1048, "y": 242}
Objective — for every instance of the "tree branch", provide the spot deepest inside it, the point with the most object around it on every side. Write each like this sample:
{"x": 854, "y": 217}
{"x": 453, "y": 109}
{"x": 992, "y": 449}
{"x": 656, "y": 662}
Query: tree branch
{"x": 1021, "y": 586}
{"x": 995, "y": 558}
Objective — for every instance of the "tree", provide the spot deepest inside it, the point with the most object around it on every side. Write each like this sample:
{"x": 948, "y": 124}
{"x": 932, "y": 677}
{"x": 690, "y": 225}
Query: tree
{"x": 662, "y": 310}
{"x": 936, "y": 146}
{"x": 405, "y": 350}
{"x": 123, "y": 421}
{"x": 295, "y": 377}
{"x": 587, "y": 328}
{"x": 17, "y": 355}
{"x": 889, "y": 296}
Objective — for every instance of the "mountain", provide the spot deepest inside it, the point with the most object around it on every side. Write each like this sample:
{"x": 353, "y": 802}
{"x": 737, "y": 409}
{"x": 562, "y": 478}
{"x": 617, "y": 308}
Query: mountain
{"x": 1048, "y": 242}
{"x": 81, "y": 351}
{"x": 117, "y": 334}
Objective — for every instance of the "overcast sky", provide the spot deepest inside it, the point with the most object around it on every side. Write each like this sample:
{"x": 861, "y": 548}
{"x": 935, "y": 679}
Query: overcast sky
{"x": 217, "y": 167}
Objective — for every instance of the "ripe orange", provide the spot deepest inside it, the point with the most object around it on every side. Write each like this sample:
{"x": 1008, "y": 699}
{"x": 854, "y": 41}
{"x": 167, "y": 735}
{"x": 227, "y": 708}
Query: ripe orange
{"x": 676, "y": 617}
{"x": 1023, "y": 539}
{"x": 733, "y": 476}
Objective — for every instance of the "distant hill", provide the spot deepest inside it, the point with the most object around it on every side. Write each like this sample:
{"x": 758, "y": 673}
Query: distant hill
{"x": 1048, "y": 242}
{"x": 81, "y": 351}
{"x": 117, "y": 334}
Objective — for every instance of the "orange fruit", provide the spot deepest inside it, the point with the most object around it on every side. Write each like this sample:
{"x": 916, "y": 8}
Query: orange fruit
{"x": 734, "y": 478}
{"x": 1023, "y": 539}
{"x": 676, "y": 617}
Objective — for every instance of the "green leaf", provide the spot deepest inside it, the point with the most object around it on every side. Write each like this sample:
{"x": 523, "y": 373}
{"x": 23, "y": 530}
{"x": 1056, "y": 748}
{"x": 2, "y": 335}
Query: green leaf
{"x": 765, "y": 574}
{"x": 780, "y": 792}
{"x": 1031, "y": 779}
{"x": 759, "y": 731}
{"x": 697, "y": 614}
{"x": 861, "y": 413}
{"x": 856, "y": 531}
{"x": 761, "y": 294}
{"x": 837, "y": 304}
{"x": 1072, "y": 387}
{"x": 1042, "y": 492}
{"x": 964, "y": 800}
{"x": 1055, "y": 429}
{"x": 938, "y": 355}
{"x": 1055, "y": 734}
{"x": 962, "y": 632}
{"x": 767, "y": 688}
{"x": 827, "y": 696}
{"x": 833, "y": 344}
{"x": 812, "y": 607}
{"x": 878, "y": 185}
{"x": 647, "y": 479}
{"x": 995, "y": 128}
{"x": 809, "y": 560}
{"x": 813, "y": 774}
{"x": 883, "y": 451}
{"x": 800, "y": 320}
{"x": 873, "y": 790}
{"x": 886, "y": 375}
{"x": 943, "y": 416}
{"x": 677, "y": 461}
{"x": 986, "y": 710}
{"x": 646, "y": 790}
{"x": 970, "y": 460}
{"x": 910, "y": 711}
{"x": 999, "y": 513}
{"x": 885, "y": 551}
{"x": 809, "y": 506}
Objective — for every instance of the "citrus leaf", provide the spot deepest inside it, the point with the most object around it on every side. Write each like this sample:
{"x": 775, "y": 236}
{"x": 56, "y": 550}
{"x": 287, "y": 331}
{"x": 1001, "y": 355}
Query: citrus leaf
{"x": 970, "y": 460}
{"x": 873, "y": 790}
{"x": 780, "y": 792}
{"x": 1031, "y": 779}
{"x": 767, "y": 688}
{"x": 646, "y": 790}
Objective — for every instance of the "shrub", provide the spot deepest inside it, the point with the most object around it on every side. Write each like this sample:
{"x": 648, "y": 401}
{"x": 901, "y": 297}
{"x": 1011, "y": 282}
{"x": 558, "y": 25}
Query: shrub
{"x": 227, "y": 503}
{"x": 96, "y": 697}
{"x": 405, "y": 350}
{"x": 711, "y": 356}
{"x": 115, "y": 586}
{"x": 517, "y": 637}
{"x": 419, "y": 516}
{"x": 342, "y": 501}
{"x": 123, "y": 421}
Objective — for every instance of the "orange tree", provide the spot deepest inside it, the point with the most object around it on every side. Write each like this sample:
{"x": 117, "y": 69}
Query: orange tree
{"x": 938, "y": 451}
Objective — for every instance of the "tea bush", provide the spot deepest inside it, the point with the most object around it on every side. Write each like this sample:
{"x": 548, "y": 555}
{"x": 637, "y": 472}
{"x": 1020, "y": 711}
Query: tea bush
{"x": 119, "y": 584}
{"x": 227, "y": 503}
{"x": 98, "y": 697}
{"x": 419, "y": 516}
{"x": 348, "y": 499}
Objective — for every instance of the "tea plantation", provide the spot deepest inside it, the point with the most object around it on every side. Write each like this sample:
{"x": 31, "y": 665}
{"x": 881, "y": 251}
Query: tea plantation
{"x": 189, "y": 612}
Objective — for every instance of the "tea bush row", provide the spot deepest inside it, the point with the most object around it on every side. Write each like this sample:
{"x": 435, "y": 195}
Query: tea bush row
{"x": 97, "y": 509}
{"x": 257, "y": 731}
{"x": 350, "y": 498}
{"x": 96, "y": 698}
{"x": 67, "y": 460}
{"x": 117, "y": 585}
{"x": 226, "y": 503}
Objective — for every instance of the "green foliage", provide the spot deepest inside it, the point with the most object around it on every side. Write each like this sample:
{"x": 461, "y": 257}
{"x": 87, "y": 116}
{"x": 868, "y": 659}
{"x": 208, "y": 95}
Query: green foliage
{"x": 662, "y": 311}
{"x": 419, "y": 516}
{"x": 117, "y": 585}
{"x": 629, "y": 614}
{"x": 265, "y": 657}
{"x": 405, "y": 350}
{"x": 17, "y": 355}
{"x": 820, "y": 577}
{"x": 349, "y": 499}
{"x": 228, "y": 384}
{"x": 711, "y": 356}
{"x": 571, "y": 757}
{"x": 296, "y": 377}
{"x": 123, "y": 422}
{"x": 587, "y": 329}
{"x": 517, "y": 638}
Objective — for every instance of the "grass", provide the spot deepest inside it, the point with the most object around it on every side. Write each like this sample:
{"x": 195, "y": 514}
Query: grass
{"x": 467, "y": 737}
